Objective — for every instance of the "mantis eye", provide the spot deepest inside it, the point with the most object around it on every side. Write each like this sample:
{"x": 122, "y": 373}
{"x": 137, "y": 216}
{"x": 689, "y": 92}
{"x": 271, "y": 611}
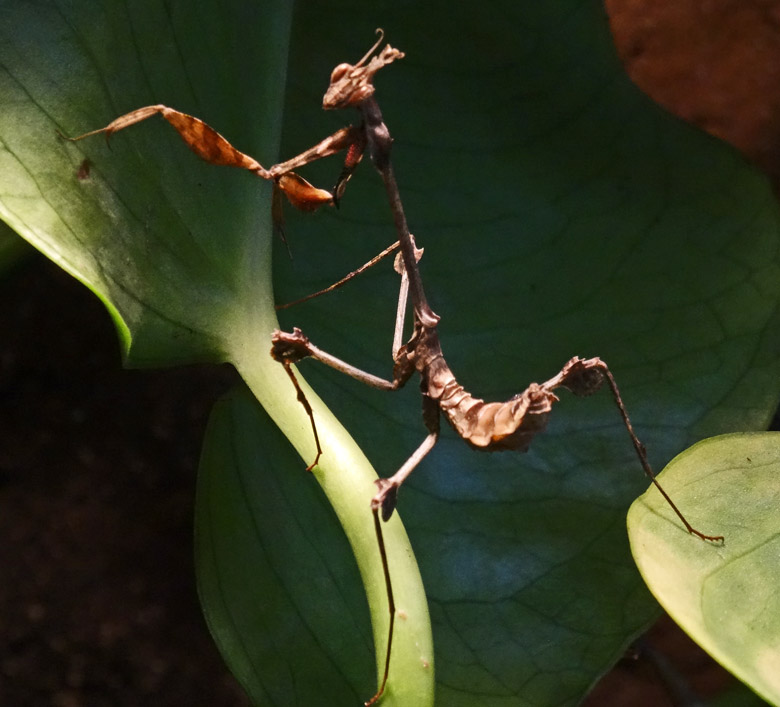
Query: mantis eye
{"x": 339, "y": 72}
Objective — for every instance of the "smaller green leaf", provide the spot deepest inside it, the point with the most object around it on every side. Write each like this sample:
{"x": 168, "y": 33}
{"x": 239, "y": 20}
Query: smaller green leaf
{"x": 725, "y": 597}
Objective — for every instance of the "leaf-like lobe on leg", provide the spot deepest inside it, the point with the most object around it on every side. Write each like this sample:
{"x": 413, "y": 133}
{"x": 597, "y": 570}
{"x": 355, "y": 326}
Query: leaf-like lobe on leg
{"x": 200, "y": 137}
{"x": 301, "y": 194}
{"x": 208, "y": 144}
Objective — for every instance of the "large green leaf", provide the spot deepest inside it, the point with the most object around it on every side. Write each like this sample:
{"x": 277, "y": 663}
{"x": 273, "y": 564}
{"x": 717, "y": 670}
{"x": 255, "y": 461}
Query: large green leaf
{"x": 179, "y": 251}
{"x": 726, "y": 600}
{"x": 561, "y": 214}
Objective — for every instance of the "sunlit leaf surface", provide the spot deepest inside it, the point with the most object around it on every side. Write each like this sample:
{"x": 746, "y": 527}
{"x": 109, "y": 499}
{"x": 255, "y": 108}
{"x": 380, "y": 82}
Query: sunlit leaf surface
{"x": 724, "y": 597}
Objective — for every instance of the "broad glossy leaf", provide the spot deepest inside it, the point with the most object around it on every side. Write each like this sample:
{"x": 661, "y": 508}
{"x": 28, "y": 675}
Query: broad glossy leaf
{"x": 561, "y": 214}
{"x": 178, "y": 250}
{"x": 724, "y": 597}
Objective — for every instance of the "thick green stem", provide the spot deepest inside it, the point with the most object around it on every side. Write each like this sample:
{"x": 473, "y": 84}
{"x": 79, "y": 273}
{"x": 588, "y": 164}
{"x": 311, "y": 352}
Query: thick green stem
{"x": 347, "y": 478}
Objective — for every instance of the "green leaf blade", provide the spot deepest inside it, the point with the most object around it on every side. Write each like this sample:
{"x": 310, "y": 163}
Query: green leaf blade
{"x": 175, "y": 269}
{"x": 178, "y": 250}
{"x": 561, "y": 213}
{"x": 725, "y": 597}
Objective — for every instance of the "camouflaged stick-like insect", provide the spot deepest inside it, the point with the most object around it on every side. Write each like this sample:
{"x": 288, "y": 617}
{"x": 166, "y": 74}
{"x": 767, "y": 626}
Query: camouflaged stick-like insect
{"x": 489, "y": 426}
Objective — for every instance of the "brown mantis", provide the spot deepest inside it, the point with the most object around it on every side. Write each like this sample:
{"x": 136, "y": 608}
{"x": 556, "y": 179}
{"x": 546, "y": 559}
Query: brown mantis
{"x": 488, "y": 426}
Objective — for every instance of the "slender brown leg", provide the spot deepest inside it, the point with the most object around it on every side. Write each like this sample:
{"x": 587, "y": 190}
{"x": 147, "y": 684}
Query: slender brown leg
{"x": 403, "y": 296}
{"x": 294, "y": 346}
{"x": 642, "y": 454}
{"x": 400, "y": 314}
{"x": 387, "y": 495}
{"x": 380, "y": 539}
{"x": 306, "y": 406}
{"x": 583, "y": 377}
{"x": 344, "y": 280}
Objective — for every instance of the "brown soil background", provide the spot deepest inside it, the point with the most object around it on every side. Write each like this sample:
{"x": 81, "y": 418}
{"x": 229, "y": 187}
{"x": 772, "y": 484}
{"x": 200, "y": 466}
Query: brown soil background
{"x": 97, "y": 602}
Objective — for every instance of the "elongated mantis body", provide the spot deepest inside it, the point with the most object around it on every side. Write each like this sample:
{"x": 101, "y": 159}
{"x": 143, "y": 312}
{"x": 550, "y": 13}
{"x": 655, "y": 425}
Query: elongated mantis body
{"x": 487, "y": 426}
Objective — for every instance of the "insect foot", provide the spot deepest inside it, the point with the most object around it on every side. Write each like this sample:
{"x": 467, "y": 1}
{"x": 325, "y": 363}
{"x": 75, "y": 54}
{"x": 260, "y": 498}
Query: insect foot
{"x": 289, "y": 347}
{"x": 386, "y": 498}
{"x": 582, "y": 377}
